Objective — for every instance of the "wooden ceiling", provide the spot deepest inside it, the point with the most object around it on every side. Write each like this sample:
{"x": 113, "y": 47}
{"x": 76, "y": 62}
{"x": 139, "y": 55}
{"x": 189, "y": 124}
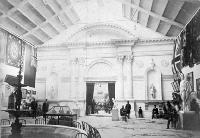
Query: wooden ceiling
{"x": 37, "y": 21}
{"x": 167, "y": 17}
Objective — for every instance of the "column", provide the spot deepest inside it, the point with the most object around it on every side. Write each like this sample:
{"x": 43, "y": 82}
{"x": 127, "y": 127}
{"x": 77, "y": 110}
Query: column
{"x": 121, "y": 76}
{"x": 129, "y": 83}
{"x": 82, "y": 84}
{"x": 74, "y": 78}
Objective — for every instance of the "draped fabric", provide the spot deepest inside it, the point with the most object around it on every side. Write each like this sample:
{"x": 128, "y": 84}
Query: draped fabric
{"x": 3, "y": 42}
{"x": 111, "y": 90}
{"x": 177, "y": 60}
{"x": 30, "y": 65}
{"x": 14, "y": 51}
{"x": 187, "y": 47}
{"x": 89, "y": 97}
{"x": 192, "y": 49}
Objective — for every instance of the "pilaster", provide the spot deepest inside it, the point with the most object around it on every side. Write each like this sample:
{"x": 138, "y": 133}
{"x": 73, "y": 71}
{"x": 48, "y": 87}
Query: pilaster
{"x": 129, "y": 85}
{"x": 120, "y": 60}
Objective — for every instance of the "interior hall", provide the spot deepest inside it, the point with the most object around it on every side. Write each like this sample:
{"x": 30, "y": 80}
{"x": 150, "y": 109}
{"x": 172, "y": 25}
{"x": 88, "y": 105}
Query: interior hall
{"x": 99, "y": 68}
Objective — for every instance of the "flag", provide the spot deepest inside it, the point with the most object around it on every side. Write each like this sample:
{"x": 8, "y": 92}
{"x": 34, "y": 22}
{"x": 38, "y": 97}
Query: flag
{"x": 30, "y": 65}
{"x": 14, "y": 51}
{"x": 176, "y": 61}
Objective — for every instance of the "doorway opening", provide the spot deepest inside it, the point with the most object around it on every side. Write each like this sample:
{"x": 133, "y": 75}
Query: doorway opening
{"x": 99, "y": 97}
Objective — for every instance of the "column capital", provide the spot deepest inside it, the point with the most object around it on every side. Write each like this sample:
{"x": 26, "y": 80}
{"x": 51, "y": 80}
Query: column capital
{"x": 120, "y": 58}
{"x": 82, "y": 61}
{"x": 74, "y": 60}
{"x": 78, "y": 60}
{"x": 129, "y": 58}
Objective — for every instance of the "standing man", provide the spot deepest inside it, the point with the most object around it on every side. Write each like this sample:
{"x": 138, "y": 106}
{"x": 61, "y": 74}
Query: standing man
{"x": 128, "y": 109}
{"x": 140, "y": 112}
{"x": 45, "y": 108}
{"x": 34, "y": 108}
{"x": 155, "y": 112}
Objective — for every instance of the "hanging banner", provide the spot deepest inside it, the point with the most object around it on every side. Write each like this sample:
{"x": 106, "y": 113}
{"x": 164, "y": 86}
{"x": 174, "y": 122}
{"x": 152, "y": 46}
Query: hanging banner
{"x": 30, "y": 65}
{"x": 14, "y": 51}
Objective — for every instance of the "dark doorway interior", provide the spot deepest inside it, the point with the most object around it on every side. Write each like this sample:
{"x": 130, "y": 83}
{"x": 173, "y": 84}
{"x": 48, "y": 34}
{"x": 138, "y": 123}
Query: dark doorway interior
{"x": 92, "y": 106}
{"x": 89, "y": 97}
{"x": 111, "y": 90}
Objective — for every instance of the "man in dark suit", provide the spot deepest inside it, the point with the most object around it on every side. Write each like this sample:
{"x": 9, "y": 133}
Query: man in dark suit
{"x": 45, "y": 108}
{"x": 155, "y": 112}
{"x": 128, "y": 109}
{"x": 34, "y": 106}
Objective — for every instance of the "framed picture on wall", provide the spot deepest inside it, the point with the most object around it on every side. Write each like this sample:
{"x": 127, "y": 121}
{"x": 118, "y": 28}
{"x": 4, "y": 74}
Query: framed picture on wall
{"x": 198, "y": 87}
{"x": 33, "y": 92}
{"x": 191, "y": 80}
{"x": 28, "y": 92}
{"x": 24, "y": 92}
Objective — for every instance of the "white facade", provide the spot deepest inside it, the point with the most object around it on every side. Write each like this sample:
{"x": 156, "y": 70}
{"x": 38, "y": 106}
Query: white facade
{"x": 134, "y": 65}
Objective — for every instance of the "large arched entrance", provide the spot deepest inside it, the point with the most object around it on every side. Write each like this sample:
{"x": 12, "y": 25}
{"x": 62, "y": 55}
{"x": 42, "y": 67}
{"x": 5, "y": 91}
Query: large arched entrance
{"x": 100, "y": 87}
{"x": 99, "y": 97}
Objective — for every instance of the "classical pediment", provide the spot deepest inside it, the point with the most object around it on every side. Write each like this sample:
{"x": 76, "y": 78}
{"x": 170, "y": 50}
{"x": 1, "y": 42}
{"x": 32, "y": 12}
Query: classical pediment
{"x": 100, "y": 32}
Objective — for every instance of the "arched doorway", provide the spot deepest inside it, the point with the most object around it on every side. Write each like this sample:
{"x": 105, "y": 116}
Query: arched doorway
{"x": 99, "y": 97}
{"x": 100, "y": 87}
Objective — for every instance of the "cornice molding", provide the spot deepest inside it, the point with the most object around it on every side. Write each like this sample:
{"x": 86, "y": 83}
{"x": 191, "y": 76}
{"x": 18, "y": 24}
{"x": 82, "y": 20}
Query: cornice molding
{"x": 111, "y": 43}
{"x": 168, "y": 39}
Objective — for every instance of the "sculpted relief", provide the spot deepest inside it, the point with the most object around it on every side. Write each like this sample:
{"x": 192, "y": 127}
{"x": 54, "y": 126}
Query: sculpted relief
{"x": 52, "y": 86}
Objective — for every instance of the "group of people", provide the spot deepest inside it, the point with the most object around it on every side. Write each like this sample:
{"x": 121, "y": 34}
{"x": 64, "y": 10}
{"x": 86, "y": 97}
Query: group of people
{"x": 31, "y": 104}
{"x": 125, "y": 111}
{"x": 38, "y": 110}
{"x": 170, "y": 113}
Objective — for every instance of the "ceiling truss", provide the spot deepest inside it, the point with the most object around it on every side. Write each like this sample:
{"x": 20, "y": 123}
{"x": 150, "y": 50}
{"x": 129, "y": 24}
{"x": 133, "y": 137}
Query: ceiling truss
{"x": 160, "y": 15}
{"x": 37, "y": 21}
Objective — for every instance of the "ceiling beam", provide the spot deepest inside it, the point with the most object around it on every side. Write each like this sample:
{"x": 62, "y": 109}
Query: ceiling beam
{"x": 16, "y": 7}
{"x": 150, "y": 3}
{"x": 161, "y": 5}
{"x": 40, "y": 25}
{"x": 13, "y": 19}
{"x": 40, "y": 7}
{"x": 153, "y": 23}
{"x": 57, "y": 13}
{"x": 152, "y": 14}
{"x": 17, "y": 23}
{"x": 146, "y": 20}
{"x": 177, "y": 9}
{"x": 69, "y": 11}
{"x": 43, "y": 11}
{"x": 29, "y": 17}
{"x": 21, "y": 9}
{"x": 193, "y": 1}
